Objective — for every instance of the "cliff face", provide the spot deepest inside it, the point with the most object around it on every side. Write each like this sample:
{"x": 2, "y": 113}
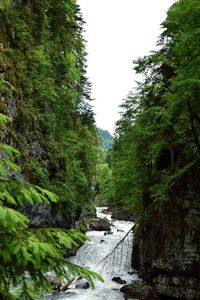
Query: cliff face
{"x": 43, "y": 89}
{"x": 170, "y": 245}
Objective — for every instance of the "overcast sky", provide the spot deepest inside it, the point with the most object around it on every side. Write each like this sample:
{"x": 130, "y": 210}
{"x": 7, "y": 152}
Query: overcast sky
{"x": 117, "y": 32}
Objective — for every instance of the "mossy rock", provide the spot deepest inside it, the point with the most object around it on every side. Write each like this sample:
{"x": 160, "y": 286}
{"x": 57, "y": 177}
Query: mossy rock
{"x": 99, "y": 224}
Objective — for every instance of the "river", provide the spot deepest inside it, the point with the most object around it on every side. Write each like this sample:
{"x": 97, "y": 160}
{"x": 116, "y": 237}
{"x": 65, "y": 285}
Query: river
{"x": 118, "y": 264}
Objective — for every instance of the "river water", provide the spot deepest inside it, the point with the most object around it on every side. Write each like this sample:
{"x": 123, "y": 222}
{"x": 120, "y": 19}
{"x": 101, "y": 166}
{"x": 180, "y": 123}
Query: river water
{"x": 117, "y": 264}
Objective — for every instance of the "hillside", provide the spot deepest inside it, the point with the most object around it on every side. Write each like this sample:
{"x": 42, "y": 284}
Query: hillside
{"x": 106, "y": 139}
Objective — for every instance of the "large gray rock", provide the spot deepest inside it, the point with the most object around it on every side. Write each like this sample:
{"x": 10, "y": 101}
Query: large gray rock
{"x": 48, "y": 215}
{"x": 82, "y": 284}
{"x": 99, "y": 224}
{"x": 120, "y": 214}
{"x": 139, "y": 290}
{"x": 119, "y": 280}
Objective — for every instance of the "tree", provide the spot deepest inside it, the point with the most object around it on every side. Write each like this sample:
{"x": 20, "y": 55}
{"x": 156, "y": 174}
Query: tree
{"x": 105, "y": 185}
{"x": 44, "y": 89}
{"x": 157, "y": 137}
{"x": 27, "y": 254}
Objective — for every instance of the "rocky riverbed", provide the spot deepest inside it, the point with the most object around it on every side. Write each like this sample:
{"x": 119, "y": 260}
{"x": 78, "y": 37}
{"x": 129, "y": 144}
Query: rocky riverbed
{"x": 117, "y": 265}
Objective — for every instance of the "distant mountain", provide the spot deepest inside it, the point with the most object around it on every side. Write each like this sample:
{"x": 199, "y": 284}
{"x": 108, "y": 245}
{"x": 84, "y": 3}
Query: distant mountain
{"x": 106, "y": 139}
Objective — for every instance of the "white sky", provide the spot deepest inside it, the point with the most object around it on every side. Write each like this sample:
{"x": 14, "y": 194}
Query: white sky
{"x": 117, "y": 32}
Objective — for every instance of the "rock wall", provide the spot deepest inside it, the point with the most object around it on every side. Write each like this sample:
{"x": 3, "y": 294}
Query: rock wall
{"x": 121, "y": 214}
{"x": 170, "y": 245}
{"x": 44, "y": 91}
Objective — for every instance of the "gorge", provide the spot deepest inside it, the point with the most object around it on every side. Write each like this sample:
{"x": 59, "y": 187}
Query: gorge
{"x": 53, "y": 170}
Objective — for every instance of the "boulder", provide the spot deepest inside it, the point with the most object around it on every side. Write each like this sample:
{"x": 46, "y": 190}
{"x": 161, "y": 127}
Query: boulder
{"x": 82, "y": 284}
{"x": 108, "y": 232}
{"x": 120, "y": 214}
{"x": 99, "y": 224}
{"x": 119, "y": 280}
{"x": 139, "y": 290}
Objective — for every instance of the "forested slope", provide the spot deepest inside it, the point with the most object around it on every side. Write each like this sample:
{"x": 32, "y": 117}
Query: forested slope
{"x": 47, "y": 128}
{"x": 154, "y": 162}
{"x": 44, "y": 89}
{"x": 105, "y": 138}
{"x": 156, "y": 156}
{"x": 157, "y": 137}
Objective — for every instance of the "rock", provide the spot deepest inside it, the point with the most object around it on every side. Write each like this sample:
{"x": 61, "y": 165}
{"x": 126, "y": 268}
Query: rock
{"x": 72, "y": 251}
{"x": 102, "y": 241}
{"x": 55, "y": 282}
{"x": 167, "y": 251}
{"x": 120, "y": 214}
{"x": 82, "y": 284}
{"x": 119, "y": 230}
{"x": 108, "y": 232}
{"x": 48, "y": 215}
{"x": 139, "y": 290}
{"x": 132, "y": 272}
{"x": 175, "y": 286}
{"x": 99, "y": 224}
{"x": 80, "y": 278}
{"x": 119, "y": 280}
{"x": 107, "y": 211}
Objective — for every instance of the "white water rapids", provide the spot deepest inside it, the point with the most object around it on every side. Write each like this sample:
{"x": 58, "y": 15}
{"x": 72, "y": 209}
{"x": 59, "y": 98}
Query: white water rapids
{"x": 118, "y": 265}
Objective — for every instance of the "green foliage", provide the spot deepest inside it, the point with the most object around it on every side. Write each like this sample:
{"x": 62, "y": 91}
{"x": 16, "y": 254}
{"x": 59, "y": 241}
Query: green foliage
{"x": 44, "y": 90}
{"x": 3, "y": 121}
{"x": 27, "y": 254}
{"x": 158, "y": 134}
{"x": 43, "y": 87}
{"x": 103, "y": 179}
{"x": 105, "y": 185}
{"x": 5, "y": 86}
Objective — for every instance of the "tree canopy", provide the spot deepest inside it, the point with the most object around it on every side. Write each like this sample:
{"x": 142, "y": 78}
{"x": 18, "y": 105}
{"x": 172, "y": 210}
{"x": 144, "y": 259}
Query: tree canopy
{"x": 45, "y": 92}
{"x": 157, "y": 137}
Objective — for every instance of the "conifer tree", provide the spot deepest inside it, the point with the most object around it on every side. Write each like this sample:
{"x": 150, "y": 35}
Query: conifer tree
{"x": 27, "y": 254}
{"x": 43, "y": 81}
{"x": 158, "y": 135}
